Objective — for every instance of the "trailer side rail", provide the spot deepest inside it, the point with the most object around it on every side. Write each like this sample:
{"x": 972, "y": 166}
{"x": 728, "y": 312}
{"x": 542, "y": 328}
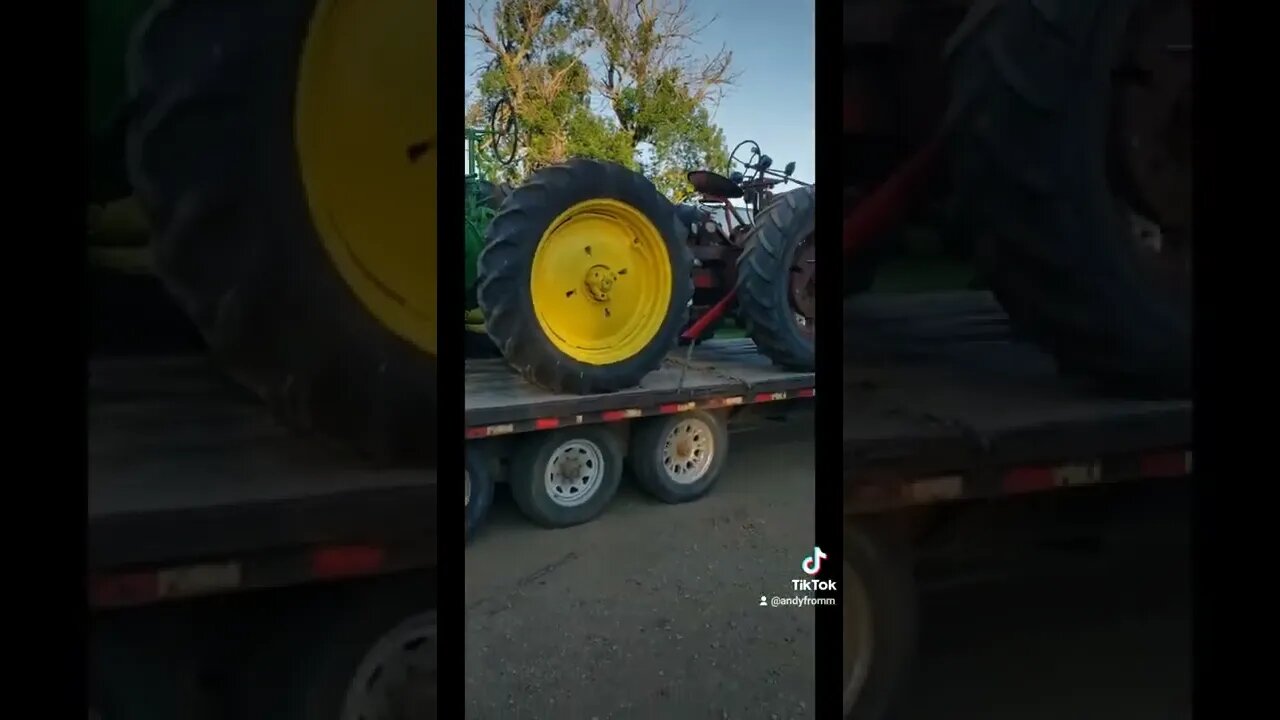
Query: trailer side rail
{"x": 717, "y": 375}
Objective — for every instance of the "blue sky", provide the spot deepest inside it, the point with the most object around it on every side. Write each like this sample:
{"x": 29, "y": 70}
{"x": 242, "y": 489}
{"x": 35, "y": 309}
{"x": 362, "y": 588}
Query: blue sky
{"x": 773, "y": 55}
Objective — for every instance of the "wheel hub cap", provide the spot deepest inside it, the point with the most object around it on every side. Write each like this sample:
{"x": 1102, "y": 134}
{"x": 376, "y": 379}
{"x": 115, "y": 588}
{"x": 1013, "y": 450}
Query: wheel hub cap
{"x": 574, "y": 473}
{"x": 599, "y": 282}
{"x": 688, "y": 451}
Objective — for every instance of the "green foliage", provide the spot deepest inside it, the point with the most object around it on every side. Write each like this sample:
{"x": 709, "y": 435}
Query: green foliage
{"x": 601, "y": 79}
{"x": 683, "y": 139}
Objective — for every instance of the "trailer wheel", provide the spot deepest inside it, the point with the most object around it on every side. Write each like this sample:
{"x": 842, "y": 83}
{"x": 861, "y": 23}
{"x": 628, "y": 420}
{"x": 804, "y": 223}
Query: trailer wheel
{"x": 397, "y": 677}
{"x": 566, "y": 477}
{"x": 479, "y": 482}
{"x": 363, "y": 651}
{"x": 879, "y": 622}
{"x": 678, "y": 458}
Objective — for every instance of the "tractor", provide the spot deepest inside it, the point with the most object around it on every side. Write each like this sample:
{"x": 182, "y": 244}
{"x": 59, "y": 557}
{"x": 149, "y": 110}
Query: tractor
{"x": 588, "y": 276}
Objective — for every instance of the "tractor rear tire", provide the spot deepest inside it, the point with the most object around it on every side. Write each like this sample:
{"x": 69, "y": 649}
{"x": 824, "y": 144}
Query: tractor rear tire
{"x": 764, "y": 271}
{"x": 215, "y": 156}
{"x": 1032, "y": 98}
{"x": 531, "y": 214}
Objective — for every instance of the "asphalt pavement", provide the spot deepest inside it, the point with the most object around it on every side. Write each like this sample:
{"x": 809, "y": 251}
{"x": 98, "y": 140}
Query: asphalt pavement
{"x": 653, "y": 611}
{"x": 1107, "y": 637}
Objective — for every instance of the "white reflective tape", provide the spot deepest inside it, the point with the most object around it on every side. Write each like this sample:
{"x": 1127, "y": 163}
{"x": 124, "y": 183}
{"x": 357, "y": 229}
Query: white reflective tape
{"x": 197, "y": 579}
{"x": 1088, "y": 474}
{"x": 946, "y": 487}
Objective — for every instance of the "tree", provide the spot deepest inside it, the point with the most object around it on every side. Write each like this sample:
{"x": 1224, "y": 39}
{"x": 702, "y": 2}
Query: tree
{"x": 608, "y": 79}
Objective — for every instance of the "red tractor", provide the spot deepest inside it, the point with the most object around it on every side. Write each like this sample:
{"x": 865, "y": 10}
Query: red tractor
{"x": 776, "y": 277}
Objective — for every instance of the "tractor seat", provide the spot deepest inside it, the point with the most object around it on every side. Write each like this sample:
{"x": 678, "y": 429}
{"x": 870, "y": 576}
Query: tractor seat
{"x": 709, "y": 183}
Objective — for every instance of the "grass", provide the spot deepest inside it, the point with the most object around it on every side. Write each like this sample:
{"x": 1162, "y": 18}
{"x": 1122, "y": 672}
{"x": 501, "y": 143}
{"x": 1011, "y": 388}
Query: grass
{"x": 730, "y": 329}
{"x": 921, "y": 275}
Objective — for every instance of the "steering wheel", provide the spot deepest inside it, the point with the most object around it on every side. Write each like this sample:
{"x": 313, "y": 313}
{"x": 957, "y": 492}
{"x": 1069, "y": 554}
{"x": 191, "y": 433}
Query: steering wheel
{"x": 503, "y": 130}
{"x": 752, "y": 159}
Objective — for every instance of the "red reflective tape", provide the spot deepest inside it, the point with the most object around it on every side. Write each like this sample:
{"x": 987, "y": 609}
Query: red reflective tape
{"x": 805, "y": 393}
{"x": 126, "y": 589}
{"x": 769, "y": 397}
{"x": 1163, "y": 465}
{"x": 614, "y": 415}
{"x": 346, "y": 561}
{"x": 1029, "y": 479}
{"x": 476, "y": 433}
{"x": 546, "y": 423}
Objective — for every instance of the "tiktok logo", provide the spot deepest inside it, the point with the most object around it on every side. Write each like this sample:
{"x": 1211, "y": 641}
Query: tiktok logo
{"x": 813, "y": 563}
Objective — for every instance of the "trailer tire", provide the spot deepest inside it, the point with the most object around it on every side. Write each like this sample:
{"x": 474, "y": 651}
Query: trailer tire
{"x": 879, "y": 598}
{"x": 765, "y": 271}
{"x": 593, "y": 454}
{"x": 1032, "y": 99}
{"x": 479, "y": 490}
{"x": 653, "y": 460}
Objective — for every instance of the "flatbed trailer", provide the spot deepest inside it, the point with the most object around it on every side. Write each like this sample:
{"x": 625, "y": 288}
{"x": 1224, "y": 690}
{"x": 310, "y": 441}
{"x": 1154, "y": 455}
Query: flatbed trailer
{"x": 946, "y": 412}
{"x": 671, "y": 430}
{"x": 204, "y": 512}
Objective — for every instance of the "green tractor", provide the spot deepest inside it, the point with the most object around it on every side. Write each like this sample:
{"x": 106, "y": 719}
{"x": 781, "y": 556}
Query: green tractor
{"x": 586, "y": 276}
{"x": 273, "y": 164}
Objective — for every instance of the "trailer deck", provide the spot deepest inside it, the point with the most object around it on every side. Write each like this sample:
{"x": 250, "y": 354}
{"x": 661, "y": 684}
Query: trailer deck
{"x": 185, "y": 467}
{"x": 718, "y": 373}
{"x": 942, "y": 402}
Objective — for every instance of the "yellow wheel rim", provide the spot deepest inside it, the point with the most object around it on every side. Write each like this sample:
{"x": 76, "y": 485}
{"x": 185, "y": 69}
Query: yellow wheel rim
{"x": 365, "y": 120}
{"x": 601, "y": 282}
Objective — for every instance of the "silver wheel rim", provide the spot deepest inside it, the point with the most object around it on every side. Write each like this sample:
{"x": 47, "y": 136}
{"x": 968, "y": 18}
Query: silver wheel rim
{"x": 858, "y": 638}
{"x": 574, "y": 473}
{"x": 396, "y": 680}
{"x": 687, "y": 451}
